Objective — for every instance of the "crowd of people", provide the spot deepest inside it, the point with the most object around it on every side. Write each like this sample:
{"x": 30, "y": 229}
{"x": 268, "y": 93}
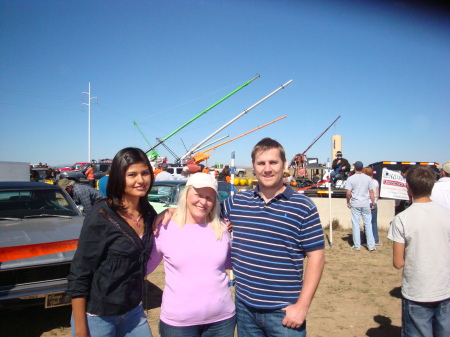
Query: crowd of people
{"x": 274, "y": 230}
{"x": 51, "y": 174}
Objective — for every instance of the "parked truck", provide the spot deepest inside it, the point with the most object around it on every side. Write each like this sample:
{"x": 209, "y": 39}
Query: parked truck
{"x": 79, "y": 177}
{"x": 392, "y": 184}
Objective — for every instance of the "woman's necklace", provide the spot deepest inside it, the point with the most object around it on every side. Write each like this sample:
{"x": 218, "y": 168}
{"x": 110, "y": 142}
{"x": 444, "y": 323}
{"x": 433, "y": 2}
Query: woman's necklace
{"x": 135, "y": 220}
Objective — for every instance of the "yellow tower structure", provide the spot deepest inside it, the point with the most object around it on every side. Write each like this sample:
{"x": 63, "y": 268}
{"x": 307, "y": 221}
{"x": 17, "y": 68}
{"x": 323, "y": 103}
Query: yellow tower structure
{"x": 336, "y": 145}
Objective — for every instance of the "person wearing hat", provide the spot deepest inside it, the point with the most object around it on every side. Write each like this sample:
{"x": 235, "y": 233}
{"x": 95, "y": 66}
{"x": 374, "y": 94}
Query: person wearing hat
{"x": 441, "y": 189}
{"x": 81, "y": 194}
{"x": 213, "y": 172}
{"x": 164, "y": 175}
{"x": 275, "y": 229}
{"x": 287, "y": 176}
{"x": 340, "y": 167}
{"x": 361, "y": 200}
{"x": 196, "y": 248}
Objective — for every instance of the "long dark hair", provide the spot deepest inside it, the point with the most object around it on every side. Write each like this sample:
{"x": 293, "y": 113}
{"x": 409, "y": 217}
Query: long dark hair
{"x": 116, "y": 181}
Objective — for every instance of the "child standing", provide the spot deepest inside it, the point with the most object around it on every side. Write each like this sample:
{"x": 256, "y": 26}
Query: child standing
{"x": 421, "y": 236}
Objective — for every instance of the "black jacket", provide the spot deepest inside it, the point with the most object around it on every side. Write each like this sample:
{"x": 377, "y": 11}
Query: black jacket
{"x": 109, "y": 265}
{"x": 344, "y": 162}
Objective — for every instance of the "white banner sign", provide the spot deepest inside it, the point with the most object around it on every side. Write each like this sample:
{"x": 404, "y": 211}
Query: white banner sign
{"x": 393, "y": 185}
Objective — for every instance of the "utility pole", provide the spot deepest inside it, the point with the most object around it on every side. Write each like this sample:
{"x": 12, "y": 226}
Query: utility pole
{"x": 89, "y": 117}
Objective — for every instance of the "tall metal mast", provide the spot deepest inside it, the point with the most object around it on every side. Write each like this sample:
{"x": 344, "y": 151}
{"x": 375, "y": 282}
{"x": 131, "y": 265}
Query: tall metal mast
{"x": 89, "y": 118}
{"x": 203, "y": 112}
{"x": 235, "y": 118}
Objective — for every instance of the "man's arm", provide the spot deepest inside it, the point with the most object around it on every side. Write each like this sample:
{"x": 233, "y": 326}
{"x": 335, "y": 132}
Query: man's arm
{"x": 398, "y": 255}
{"x": 348, "y": 196}
{"x": 296, "y": 313}
{"x": 372, "y": 198}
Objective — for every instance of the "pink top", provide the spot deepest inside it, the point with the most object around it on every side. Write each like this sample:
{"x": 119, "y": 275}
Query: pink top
{"x": 196, "y": 290}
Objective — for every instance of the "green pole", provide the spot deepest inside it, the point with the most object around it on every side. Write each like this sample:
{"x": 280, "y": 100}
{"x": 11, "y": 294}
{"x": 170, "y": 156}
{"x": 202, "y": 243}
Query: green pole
{"x": 203, "y": 112}
{"x": 153, "y": 155}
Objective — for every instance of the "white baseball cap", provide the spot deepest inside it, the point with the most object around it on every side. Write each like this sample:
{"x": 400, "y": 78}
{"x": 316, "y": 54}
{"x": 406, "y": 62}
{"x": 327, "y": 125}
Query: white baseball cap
{"x": 199, "y": 180}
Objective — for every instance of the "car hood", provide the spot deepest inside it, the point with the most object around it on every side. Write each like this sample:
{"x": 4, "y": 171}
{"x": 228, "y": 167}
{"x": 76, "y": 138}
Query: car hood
{"x": 39, "y": 230}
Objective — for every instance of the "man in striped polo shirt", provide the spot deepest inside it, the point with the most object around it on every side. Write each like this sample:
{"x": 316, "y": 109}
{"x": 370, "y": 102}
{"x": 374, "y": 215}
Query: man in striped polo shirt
{"x": 274, "y": 229}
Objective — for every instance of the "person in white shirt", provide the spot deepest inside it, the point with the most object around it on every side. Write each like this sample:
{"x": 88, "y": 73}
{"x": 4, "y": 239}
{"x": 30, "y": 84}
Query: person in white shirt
{"x": 164, "y": 175}
{"x": 441, "y": 189}
{"x": 421, "y": 236}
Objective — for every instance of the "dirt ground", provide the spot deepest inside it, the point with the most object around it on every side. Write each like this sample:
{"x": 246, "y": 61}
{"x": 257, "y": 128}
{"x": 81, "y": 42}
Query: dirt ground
{"x": 359, "y": 295}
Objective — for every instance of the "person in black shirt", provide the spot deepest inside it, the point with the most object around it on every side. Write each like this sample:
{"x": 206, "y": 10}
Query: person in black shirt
{"x": 340, "y": 166}
{"x": 106, "y": 277}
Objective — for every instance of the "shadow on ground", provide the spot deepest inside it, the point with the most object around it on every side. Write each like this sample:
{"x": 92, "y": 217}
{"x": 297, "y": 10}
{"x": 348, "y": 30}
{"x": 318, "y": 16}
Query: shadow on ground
{"x": 34, "y": 321}
{"x": 396, "y": 292}
{"x": 348, "y": 239}
{"x": 386, "y": 329}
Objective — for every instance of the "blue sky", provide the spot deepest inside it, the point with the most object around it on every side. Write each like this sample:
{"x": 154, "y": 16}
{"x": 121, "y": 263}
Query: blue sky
{"x": 383, "y": 66}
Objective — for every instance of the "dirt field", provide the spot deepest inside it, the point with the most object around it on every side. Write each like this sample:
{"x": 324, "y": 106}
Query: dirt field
{"x": 359, "y": 295}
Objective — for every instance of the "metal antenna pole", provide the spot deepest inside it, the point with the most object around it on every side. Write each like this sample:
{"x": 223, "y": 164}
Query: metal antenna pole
{"x": 89, "y": 118}
{"x": 234, "y": 119}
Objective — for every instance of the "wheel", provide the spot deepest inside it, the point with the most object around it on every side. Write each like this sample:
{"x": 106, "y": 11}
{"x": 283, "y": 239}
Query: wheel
{"x": 240, "y": 174}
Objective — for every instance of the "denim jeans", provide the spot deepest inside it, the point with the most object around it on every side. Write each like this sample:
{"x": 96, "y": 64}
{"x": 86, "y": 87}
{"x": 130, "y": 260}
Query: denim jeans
{"x": 374, "y": 213}
{"x": 375, "y": 224}
{"x": 131, "y": 324}
{"x": 223, "y": 328}
{"x": 425, "y": 319}
{"x": 335, "y": 176}
{"x": 252, "y": 322}
{"x": 363, "y": 212}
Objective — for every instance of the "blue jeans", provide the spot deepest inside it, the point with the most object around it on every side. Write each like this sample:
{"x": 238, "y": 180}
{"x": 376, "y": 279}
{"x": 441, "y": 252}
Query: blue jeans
{"x": 131, "y": 324}
{"x": 223, "y": 328}
{"x": 335, "y": 176}
{"x": 363, "y": 212}
{"x": 374, "y": 213}
{"x": 252, "y": 322}
{"x": 425, "y": 319}
{"x": 375, "y": 224}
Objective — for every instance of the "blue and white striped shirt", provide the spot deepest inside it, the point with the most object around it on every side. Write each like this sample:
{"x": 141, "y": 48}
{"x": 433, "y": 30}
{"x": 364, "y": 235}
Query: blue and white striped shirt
{"x": 270, "y": 242}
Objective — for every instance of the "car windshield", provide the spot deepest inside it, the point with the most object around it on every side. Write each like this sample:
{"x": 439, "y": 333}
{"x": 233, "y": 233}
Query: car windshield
{"x": 164, "y": 193}
{"x": 224, "y": 190}
{"x": 22, "y": 203}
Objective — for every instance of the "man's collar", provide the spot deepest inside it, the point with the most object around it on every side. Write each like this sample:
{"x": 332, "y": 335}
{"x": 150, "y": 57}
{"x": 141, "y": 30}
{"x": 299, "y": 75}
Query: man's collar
{"x": 287, "y": 193}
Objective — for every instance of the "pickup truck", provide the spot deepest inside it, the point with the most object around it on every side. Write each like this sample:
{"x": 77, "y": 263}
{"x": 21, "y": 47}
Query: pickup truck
{"x": 240, "y": 172}
{"x": 79, "y": 177}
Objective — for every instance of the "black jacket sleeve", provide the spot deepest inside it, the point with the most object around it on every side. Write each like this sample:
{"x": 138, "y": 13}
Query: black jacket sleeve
{"x": 90, "y": 251}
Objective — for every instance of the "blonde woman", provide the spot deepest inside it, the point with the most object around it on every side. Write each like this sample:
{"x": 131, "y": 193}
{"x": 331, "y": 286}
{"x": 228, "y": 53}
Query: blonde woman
{"x": 195, "y": 246}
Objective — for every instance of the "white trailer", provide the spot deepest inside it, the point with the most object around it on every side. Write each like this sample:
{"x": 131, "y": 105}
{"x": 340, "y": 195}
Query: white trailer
{"x": 14, "y": 171}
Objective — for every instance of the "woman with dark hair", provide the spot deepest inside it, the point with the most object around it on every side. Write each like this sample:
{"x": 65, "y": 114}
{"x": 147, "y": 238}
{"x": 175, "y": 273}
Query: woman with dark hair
{"x": 50, "y": 177}
{"x": 106, "y": 277}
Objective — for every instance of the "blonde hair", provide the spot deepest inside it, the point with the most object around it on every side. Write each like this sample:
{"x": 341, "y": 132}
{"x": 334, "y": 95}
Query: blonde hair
{"x": 213, "y": 217}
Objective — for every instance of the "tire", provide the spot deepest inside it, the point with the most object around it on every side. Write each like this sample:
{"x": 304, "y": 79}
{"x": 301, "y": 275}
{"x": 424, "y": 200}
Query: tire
{"x": 240, "y": 174}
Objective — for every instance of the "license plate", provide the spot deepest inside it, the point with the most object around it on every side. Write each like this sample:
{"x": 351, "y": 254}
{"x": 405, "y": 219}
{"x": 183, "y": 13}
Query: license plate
{"x": 57, "y": 299}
